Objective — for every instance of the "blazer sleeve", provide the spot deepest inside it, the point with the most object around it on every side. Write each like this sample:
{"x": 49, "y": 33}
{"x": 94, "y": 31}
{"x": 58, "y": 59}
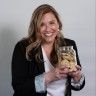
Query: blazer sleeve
{"x": 82, "y": 81}
{"x": 77, "y": 56}
{"x": 22, "y": 82}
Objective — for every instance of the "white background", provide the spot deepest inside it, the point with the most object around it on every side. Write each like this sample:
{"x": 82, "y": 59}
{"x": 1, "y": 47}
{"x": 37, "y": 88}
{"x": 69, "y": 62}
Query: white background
{"x": 78, "y": 18}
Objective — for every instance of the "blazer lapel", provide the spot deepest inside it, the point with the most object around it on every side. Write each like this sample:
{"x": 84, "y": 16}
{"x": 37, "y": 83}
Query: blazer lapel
{"x": 40, "y": 64}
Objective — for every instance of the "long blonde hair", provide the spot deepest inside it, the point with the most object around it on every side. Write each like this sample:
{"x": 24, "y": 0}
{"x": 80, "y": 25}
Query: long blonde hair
{"x": 34, "y": 37}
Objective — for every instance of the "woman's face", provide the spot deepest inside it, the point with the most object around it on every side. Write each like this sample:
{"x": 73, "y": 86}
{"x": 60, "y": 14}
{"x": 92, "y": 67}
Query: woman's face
{"x": 49, "y": 28}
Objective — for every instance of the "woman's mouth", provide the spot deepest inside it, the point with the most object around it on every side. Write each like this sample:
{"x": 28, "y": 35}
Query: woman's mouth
{"x": 48, "y": 34}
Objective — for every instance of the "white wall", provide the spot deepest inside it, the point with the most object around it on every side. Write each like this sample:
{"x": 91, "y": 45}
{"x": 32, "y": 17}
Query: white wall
{"x": 78, "y": 17}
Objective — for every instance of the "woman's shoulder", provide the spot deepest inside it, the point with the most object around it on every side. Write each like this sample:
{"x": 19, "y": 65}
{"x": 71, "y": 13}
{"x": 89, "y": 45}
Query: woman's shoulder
{"x": 23, "y": 43}
{"x": 68, "y": 42}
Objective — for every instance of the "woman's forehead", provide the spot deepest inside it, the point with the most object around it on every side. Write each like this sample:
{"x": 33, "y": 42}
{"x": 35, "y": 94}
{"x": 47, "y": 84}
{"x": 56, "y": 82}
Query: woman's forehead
{"x": 48, "y": 16}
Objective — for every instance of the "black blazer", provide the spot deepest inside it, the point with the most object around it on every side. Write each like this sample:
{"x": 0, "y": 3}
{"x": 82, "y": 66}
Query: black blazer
{"x": 24, "y": 71}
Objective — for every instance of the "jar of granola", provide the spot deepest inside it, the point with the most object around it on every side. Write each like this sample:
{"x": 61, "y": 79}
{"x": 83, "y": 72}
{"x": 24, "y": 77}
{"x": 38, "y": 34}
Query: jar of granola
{"x": 67, "y": 57}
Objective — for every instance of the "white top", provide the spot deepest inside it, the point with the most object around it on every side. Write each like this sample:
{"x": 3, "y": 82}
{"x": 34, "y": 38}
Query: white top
{"x": 55, "y": 88}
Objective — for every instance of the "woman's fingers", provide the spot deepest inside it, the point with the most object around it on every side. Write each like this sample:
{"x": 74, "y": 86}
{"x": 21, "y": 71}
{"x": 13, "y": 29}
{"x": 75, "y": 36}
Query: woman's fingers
{"x": 76, "y": 75}
{"x": 78, "y": 67}
{"x": 61, "y": 72}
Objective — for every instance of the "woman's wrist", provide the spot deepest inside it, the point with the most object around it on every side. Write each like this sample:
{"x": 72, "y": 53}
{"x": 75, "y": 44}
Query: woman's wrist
{"x": 77, "y": 79}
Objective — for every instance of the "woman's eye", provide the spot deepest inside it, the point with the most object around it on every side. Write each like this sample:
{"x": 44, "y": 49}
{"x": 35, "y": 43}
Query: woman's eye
{"x": 52, "y": 22}
{"x": 42, "y": 24}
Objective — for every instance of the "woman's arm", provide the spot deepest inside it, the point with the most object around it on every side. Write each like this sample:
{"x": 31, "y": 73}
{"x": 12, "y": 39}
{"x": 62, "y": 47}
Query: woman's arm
{"x": 22, "y": 82}
{"x": 78, "y": 80}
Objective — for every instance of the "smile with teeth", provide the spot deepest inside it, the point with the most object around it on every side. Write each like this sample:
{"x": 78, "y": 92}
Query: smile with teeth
{"x": 48, "y": 34}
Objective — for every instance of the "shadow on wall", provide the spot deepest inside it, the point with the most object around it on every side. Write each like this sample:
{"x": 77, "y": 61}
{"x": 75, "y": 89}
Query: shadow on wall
{"x": 7, "y": 44}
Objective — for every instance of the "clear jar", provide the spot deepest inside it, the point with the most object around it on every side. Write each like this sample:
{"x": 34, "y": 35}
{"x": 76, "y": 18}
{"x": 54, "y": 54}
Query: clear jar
{"x": 67, "y": 57}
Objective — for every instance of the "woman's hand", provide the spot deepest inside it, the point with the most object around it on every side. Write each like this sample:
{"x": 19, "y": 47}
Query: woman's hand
{"x": 61, "y": 72}
{"x": 56, "y": 74}
{"x": 76, "y": 75}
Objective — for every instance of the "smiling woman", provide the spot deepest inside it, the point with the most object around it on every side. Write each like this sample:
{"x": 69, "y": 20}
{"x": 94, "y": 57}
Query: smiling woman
{"x": 49, "y": 28}
{"x": 35, "y": 66}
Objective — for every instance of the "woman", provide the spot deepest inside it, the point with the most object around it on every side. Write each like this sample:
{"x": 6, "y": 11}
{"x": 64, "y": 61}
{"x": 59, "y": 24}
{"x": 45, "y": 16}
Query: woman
{"x": 35, "y": 70}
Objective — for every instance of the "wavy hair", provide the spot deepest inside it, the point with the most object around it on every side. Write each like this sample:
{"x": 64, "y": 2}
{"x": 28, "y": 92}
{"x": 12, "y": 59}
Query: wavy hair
{"x": 34, "y": 37}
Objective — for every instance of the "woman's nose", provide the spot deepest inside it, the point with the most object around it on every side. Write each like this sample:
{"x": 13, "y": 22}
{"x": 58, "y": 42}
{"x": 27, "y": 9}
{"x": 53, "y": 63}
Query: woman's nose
{"x": 48, "y": 28}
